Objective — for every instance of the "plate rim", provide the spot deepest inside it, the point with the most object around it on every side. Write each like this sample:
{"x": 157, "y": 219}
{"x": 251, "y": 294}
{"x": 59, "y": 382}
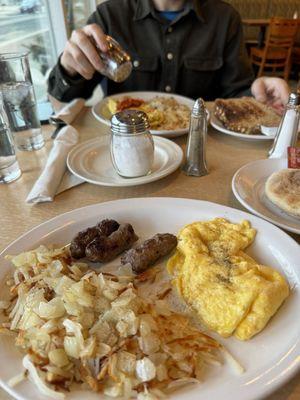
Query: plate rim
{"x": 242, "y": 136}
{"x": 249, "y": 207}
{"x": 262, "y": 390}
{"x": 143, "y": 180}
{"x": 167, "y": 133}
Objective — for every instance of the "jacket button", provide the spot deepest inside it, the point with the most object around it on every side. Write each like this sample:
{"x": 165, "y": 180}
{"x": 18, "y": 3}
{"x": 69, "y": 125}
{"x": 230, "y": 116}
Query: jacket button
{"x": 136, "y": 63}
{"x": 170, "y": 29}
{"x": 168, "y": 88}
{"x": 170, "y": 56}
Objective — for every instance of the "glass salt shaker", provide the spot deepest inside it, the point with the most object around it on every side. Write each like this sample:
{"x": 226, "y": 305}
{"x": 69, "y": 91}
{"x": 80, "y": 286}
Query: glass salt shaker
{"x": 132, "y": 146}
{"x": 287, "y": 132}
{"x": 117, "y": 63}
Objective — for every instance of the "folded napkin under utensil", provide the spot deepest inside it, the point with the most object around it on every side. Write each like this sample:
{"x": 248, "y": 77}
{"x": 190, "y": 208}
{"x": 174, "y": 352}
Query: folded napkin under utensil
{"x": 55, "y": 178}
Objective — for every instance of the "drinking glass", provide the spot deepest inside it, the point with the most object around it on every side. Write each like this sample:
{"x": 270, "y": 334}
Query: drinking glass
{"x": 9, "y": 167}
{"x": 19, "y": 101}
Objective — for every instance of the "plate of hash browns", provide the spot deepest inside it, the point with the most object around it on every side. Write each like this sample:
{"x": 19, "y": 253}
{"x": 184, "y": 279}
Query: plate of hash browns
{"x": 148, "y": 299}
{"x": 168, "y": 114}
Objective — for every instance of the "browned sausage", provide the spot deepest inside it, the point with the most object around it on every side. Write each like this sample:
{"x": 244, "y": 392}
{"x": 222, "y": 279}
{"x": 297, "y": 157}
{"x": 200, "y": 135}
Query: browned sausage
{"x": 83, "y": 238}
{"x": 106, "y": 248}
{"x": 146, "y": 254}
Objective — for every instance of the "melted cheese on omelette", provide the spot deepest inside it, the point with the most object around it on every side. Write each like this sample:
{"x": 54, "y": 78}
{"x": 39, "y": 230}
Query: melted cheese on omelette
{"x": 231, "y": 293}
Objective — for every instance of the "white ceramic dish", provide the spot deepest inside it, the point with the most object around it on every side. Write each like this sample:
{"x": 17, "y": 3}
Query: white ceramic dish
{"x": 91, "y": 161}
{"x": 217, "y": 124}
{"x": 248, "y": 185}
{"x": 102, "y": 114}
{"x": 270, "y": 358}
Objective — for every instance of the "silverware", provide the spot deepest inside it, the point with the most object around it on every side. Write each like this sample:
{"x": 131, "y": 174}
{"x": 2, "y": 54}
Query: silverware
{"x": 195, "y": 164}
{"x": 59, "y": 123}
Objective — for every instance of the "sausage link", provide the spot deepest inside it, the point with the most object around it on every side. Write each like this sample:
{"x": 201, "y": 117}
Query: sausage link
{"x": 83, "y": 238}
{"x": 146, "y": 254}
{"x": 103, "y": 249}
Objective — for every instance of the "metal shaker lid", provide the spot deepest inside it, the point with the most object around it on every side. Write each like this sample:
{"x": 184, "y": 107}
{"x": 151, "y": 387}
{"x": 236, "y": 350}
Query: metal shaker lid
{"x": 199, "y": 107}
{"x": 129, "y": 121}
{"x": 294, "y": 99}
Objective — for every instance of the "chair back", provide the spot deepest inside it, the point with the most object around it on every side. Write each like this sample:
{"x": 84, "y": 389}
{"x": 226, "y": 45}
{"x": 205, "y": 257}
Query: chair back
{"x": 282, "y": 33}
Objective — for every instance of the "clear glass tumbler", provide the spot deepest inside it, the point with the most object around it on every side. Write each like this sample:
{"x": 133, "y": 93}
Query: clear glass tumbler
{"x": 19, "y": 101}
{"x": 9, "y": 167}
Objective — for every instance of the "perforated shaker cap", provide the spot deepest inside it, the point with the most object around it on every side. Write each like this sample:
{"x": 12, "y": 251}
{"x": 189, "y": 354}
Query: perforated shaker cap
{"x": 294, "y": 99}
{"x": 129, "y": 122}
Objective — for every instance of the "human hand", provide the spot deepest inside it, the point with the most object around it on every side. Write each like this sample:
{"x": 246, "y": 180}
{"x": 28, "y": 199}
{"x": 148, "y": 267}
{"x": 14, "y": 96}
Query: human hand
{"x": 271, "y": 91}
{"x": 80, "y": 55}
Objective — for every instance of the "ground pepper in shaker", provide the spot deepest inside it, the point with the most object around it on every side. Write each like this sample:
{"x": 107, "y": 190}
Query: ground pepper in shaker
{"x": 117, "y": 63}
{"x": 195, "y": 164}
{"x": 287, "y": 132}
{"x": 132, "y": 146}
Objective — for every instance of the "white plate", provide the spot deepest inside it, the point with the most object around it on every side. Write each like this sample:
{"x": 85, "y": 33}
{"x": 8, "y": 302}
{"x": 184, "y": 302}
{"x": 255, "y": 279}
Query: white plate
{"x": 91, "y": 161}
{"x": 217, "y": 124}
{"x": 101, "y": 112}
{"x": 248, "y": 185}
{"x": 270, "y": 358}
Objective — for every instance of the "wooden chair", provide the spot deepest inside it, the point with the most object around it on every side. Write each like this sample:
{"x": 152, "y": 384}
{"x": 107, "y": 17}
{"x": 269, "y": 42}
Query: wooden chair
{"x": 276, "y": 53}
{"x": 296, "y": 60}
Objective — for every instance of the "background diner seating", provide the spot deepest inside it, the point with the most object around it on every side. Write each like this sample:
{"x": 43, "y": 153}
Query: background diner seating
{"x": 261, "y": 9}
{"x": 277, "y": 51}
{"x": 296, "y": 61}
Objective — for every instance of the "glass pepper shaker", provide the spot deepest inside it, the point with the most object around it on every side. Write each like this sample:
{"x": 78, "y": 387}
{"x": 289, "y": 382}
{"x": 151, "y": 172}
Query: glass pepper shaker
{"x": 132, "y": 146}
{"x": 117, "y": 63}
{"x": 195, "y": 164}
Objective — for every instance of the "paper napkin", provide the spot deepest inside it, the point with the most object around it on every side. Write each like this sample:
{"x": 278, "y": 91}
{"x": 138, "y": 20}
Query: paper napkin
{"x": 55, "y": 178}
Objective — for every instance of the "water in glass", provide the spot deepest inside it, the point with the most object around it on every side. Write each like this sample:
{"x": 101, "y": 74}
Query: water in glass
{"x": 20, "y": 107}
{"x": 9, "y": 167}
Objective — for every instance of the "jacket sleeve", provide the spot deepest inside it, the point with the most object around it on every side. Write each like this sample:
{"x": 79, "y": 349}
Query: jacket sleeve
{"x": 64, "y": 87}
{"x": 236, "y": 75}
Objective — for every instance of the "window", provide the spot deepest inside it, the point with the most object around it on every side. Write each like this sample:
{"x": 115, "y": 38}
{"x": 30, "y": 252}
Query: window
{"x": 41, "y": 27}
{"x": 30, "y": 25}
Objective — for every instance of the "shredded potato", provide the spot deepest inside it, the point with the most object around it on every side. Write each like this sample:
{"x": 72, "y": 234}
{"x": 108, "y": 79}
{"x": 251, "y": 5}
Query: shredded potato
{"x": 164, "y": 113}
{"x": 76, "y": 325}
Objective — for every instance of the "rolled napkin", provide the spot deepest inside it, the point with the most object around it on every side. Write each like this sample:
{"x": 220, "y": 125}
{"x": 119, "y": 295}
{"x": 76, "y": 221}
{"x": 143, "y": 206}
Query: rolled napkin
{"x": 52, "y": 179}
{"x": 69, "y": 111}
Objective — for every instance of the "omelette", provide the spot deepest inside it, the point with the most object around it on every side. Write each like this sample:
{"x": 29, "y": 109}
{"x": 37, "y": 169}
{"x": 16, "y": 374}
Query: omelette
{"x": 230, "y": 292}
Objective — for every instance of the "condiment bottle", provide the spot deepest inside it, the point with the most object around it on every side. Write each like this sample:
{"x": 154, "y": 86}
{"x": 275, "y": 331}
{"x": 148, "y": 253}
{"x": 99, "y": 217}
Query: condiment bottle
{"x": 195, "y": 164}
{"x": 287, "y": 132}
{"x": 132, "y": 146}
{"x": 117, "y": 63}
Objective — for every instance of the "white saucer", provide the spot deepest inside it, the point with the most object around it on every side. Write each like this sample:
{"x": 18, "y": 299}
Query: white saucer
{"x": 248, "y": 185}
{"x": 91, "y": 161}
{"x": 215, "y": 123}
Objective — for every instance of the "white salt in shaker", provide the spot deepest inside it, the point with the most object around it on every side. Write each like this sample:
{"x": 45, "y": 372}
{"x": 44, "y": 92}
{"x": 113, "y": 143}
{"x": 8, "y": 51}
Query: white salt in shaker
{"x": 132, "y": 146}
{"x": 287, "y": 132}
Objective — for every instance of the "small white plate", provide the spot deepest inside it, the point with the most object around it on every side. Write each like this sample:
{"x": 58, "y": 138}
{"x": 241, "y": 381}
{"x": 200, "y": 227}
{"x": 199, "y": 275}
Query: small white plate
{"x": 217, "y": 124}
{"x": 270, "y": 358}
{"x": 91, "y": 161}
{"x": 248, "y": 185}
{"x": 102, "y": 114}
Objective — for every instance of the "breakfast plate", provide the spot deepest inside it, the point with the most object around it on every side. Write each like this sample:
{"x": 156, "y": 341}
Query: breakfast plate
{"x": 91, "y": 161}
{"x": 248, "y": 185}
{"x": 217, "y": 124}
{"x": 102, "y": 113}
{"x": 270, "y": 359}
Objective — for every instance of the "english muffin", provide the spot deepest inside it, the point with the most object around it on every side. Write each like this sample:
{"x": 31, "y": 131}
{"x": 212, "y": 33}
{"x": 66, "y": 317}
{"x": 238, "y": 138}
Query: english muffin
{"x": 283, "y": 189}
